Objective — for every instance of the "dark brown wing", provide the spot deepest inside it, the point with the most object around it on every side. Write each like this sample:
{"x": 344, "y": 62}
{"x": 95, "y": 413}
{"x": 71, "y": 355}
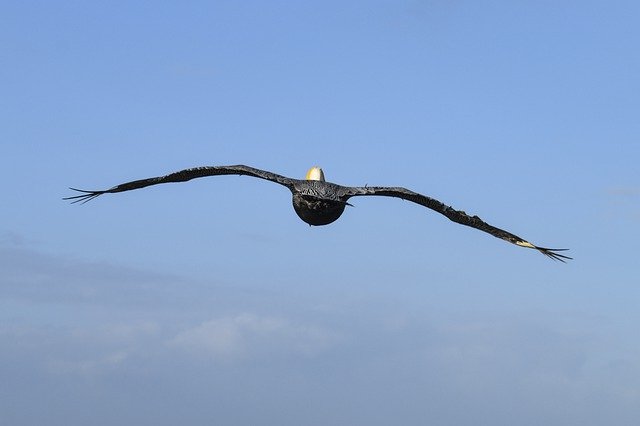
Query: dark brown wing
{"x": 183, "y": 176}
{"x": 453, "y": 214}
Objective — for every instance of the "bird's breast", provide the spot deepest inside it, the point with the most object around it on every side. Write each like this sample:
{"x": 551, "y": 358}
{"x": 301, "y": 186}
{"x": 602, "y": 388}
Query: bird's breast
{"x": 317, "y": 211}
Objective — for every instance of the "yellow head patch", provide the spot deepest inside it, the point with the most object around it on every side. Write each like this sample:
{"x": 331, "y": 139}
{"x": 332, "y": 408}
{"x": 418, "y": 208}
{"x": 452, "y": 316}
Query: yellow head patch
{"x": 315, "y": 173}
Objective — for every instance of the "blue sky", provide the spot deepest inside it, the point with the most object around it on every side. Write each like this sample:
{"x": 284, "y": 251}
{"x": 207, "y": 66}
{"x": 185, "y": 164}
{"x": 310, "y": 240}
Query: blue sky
{"x": 211, "y": 302}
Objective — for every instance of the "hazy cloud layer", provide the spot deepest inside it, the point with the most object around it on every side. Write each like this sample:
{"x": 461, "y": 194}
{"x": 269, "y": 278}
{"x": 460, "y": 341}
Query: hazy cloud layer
{"x": 88, "y": 329}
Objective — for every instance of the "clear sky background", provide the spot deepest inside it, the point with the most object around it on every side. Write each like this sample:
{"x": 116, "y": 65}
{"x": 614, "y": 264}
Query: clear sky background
{"x": 210, "y": 302}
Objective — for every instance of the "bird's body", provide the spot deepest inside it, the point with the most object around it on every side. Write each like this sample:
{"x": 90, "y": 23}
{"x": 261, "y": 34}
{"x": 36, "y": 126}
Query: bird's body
{"x": 317, "y": 211}
{"x": 318, "y": 202}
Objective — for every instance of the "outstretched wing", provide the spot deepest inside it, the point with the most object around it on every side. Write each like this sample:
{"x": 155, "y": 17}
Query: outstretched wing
{"x": 183, "y": 176}
{"x": 457, "y": 216}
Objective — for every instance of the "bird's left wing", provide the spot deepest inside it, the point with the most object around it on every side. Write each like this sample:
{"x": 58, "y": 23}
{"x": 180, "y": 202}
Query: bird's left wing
{"x": 457, "y": 216}
{"x": 183, "y": 176}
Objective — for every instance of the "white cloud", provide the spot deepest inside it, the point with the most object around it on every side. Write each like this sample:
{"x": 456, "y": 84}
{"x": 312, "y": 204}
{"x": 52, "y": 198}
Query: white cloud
{"x": 88, "y": 367}
{"x": 244, "y": 335}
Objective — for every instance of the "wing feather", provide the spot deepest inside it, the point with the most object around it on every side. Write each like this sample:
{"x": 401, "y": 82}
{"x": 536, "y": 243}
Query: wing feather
{"x": 454, "y": 215}
{"x": 183, "y": 176}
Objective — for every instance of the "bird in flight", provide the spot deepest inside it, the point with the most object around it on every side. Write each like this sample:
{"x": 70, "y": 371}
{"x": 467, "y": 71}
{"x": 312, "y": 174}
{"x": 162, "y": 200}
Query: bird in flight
{"x": 318, "y": 202}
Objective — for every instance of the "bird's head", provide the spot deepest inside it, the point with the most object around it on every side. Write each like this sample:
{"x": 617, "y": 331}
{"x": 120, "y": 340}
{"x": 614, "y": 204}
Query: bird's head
{"x": 315, "y": 173}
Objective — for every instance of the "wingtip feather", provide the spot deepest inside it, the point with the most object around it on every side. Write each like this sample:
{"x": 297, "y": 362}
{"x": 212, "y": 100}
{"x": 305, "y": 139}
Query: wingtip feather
{"x": 553, "y": 254}
{"x": 86, "y": 196}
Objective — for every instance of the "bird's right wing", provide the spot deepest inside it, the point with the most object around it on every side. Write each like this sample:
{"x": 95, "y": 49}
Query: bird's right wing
{"x": 183, "y": 176}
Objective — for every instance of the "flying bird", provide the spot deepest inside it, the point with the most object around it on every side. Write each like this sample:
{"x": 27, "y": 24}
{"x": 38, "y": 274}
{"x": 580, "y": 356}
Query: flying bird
{"x": 318, "y": 202}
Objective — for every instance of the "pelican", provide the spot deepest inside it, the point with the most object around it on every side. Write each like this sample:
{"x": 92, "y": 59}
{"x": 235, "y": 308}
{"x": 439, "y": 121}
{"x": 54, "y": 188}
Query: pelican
{"x": 318, "y": 202}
